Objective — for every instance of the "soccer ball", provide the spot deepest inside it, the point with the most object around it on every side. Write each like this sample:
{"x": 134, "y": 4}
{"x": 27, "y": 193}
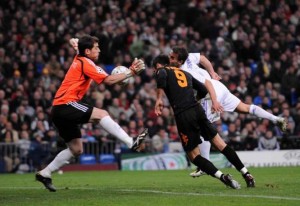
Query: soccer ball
{"x": 120, "y": 70}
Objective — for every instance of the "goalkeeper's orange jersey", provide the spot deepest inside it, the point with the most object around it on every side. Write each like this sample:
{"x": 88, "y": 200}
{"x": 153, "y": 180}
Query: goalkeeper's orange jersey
{"x": 78, "y": 79}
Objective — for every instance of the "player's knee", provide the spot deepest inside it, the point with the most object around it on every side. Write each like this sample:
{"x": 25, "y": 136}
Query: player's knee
{"x": 218, "y": 142}
{"x": 77, "y": 152}
{"x": 244, "y": 108}
{"x": 99, "y": 114}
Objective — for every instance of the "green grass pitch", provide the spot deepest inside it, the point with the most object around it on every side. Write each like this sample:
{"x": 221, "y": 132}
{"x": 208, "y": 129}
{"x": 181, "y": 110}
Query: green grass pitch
{"x": 274, "y": 186}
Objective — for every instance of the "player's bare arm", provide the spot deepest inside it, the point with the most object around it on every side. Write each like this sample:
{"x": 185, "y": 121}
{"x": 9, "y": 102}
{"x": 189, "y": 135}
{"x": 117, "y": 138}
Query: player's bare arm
{"x": 209, "y": 68}
{"x": 216, "y": 106}
{"x": 159, "y": 103}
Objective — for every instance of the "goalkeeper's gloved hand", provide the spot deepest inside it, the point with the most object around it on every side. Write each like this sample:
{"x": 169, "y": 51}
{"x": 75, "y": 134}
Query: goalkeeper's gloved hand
{"x": 137, "y": 66}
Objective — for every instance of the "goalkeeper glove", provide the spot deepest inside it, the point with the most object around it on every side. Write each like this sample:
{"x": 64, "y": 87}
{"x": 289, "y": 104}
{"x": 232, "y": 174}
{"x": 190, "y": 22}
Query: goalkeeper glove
{"x": 137, "y": 66}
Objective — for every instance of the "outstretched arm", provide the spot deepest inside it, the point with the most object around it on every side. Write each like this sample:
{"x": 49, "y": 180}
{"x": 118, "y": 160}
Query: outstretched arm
{"x": 209, "y": 68}
{"x": 136, "y": 68}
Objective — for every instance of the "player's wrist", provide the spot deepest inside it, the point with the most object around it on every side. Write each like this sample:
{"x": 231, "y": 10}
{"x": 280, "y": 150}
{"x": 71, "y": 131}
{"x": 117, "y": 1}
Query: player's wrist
{"x": 129, "y": 73}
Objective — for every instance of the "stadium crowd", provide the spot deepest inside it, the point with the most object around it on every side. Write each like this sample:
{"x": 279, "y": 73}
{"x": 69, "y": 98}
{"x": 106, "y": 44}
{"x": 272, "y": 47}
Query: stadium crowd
{"x": 254, "y": 46}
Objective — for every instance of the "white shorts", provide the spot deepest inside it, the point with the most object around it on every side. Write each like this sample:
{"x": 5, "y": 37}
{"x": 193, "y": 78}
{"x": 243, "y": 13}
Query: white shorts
{"x": 206, "y": 104}
{"x": 227, "y": 100}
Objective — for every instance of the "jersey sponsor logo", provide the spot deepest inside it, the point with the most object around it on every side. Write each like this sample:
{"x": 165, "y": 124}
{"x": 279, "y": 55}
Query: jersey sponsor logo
{"x": 189, "y": 64}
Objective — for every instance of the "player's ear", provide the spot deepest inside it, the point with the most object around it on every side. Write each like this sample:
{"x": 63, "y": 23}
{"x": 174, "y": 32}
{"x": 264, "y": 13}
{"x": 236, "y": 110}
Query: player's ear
{"x": 87, "y": 51}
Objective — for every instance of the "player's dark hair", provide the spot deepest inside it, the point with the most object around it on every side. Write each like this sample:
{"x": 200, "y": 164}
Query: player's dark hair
{"x": 161, "y": 59}
{"x": 86, "y": 42}
{"x": 181, "y": 52}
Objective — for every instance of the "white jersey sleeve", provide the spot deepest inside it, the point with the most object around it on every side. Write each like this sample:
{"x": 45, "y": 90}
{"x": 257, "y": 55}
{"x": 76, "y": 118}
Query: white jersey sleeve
{"x": 194, "y": 58}
{"x": 191, "y": 66}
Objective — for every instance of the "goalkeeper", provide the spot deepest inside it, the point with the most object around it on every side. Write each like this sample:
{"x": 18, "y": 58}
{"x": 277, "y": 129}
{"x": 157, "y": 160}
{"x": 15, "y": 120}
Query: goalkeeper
{"x": 68, "y": 112}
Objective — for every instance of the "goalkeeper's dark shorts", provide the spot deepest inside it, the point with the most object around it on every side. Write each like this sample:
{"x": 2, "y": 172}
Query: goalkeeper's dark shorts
{"x": 193, "y": 123}
{"x": 68, "y": 118}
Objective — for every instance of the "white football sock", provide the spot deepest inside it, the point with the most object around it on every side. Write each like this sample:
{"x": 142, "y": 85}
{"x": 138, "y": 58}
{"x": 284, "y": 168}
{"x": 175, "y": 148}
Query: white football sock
{"x": 113, "y": 128}
{"x": 259, "y": 112}
{"x": 60, "y": 160}
{"x": 205, "y": 149}
{"x": 244, "y": 170}
{"x": 218, "y": 174}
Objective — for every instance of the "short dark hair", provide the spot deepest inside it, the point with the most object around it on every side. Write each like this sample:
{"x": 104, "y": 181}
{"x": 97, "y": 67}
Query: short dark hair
{"x": 86, "y": 42}
{"x": 161, "y": 59}
{"x": 181, "y": 52}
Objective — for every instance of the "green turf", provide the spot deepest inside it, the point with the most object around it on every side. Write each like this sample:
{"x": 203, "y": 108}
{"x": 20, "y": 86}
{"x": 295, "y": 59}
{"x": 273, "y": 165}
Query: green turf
{"x": 275, "y": 186}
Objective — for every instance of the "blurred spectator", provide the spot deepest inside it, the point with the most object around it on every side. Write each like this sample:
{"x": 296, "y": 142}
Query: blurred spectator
{"x": 40, "y": 123}
{"x": 24, "y": 147}
{"x": 9, "y": 153}
{"x": 234, "y": 136}
{"x": 250, "y": 136}
{"x": 22, "y": 116}
{"x": 114, "y": 109}
{"x": 5, "y": 110}
{"x": 9, "y": 134}
{"x": 86, "y": 136}
{"x": 268, "y": 141}
{"x": 29, "y": 110}
{"x": 173, "y": 133}
{"x": 289, "y": 84}
{"x": 160, "y": 141}
{"x": 38, "y": 152}
{"x": 16, "y": 123}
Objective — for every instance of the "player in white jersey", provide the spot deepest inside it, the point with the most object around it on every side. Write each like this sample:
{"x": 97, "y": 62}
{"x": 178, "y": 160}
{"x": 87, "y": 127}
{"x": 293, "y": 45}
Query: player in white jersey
{"x": 189, "y": 62}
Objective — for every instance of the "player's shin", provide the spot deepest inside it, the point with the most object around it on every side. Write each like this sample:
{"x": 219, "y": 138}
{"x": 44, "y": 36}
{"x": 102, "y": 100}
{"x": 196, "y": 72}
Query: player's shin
{"x": 205, "y": 165}
{"x": 232, "y": 157}
{"x": 113, "y": 128}
{"x": 60, "y": 160}
{"x": 205, "y": 149}
{"x": 261, "y": 113}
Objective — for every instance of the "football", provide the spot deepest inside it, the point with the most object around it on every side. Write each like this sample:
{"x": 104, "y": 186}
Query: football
{"x": 119, "y": 70}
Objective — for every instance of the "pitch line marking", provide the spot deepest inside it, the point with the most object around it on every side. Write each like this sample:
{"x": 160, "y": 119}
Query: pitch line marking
{"x": 208, "y": 194}
{"x": 162, "y": 192}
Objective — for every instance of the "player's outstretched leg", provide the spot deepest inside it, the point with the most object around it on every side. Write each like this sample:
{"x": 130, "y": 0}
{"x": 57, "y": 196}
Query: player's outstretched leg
{"x": 139, "y": 140}
{"x": 47, "y": 182}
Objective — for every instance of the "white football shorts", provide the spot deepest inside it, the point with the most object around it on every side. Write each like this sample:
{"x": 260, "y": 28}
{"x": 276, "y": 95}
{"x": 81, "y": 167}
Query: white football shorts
{"x": 227, "y": 100}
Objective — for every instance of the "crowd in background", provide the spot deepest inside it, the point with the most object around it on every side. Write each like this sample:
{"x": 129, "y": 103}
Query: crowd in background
{"x": 253, "y": 45}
